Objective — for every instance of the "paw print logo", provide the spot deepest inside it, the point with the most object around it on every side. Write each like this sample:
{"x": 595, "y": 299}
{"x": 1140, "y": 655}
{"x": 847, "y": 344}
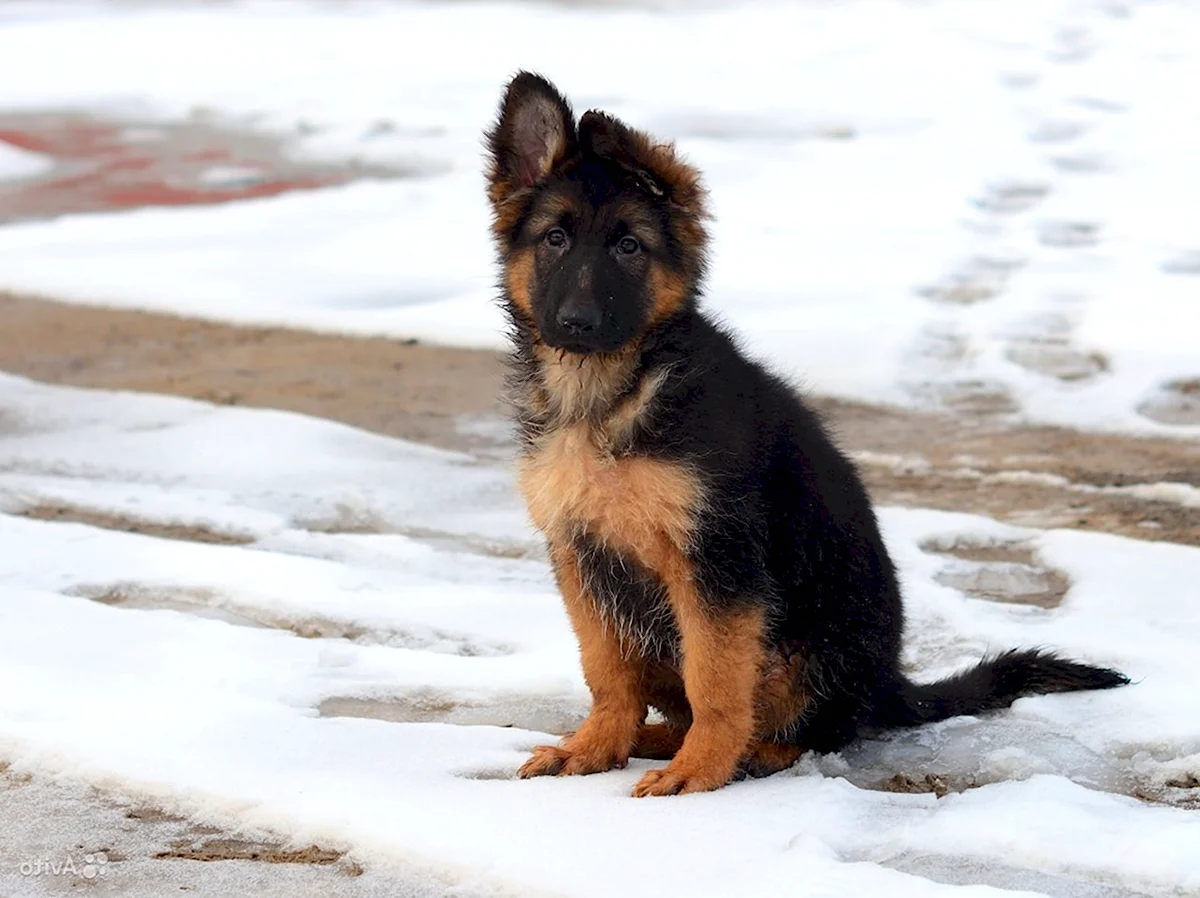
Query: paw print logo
{"x": 93, "y": 864}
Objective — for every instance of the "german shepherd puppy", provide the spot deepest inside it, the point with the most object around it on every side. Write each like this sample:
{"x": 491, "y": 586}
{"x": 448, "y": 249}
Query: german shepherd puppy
{"x": 718, "y": 556}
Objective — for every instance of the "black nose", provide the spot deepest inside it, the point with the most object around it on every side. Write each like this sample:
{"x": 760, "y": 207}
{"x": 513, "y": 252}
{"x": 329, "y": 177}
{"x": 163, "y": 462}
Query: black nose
{"x": 578, "y": 317}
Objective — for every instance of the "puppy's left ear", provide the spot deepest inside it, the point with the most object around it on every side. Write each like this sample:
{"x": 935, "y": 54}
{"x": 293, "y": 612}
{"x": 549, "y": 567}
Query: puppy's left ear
{"x": 655, "y": 167}
{"x": 534, "y": 134}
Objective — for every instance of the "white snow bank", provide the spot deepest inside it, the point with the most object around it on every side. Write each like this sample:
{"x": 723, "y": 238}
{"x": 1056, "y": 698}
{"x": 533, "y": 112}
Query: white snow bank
{"x": 219, "y": 715}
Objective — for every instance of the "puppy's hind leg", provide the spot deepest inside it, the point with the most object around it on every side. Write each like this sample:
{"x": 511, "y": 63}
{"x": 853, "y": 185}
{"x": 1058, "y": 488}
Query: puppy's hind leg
{"x": 769, "y": 757}
{"x": 658, "y": 741}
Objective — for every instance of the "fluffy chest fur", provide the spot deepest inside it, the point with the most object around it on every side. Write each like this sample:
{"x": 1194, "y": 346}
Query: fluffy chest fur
{"x": 575, "y": 485}
{"x": 580, "y": 473}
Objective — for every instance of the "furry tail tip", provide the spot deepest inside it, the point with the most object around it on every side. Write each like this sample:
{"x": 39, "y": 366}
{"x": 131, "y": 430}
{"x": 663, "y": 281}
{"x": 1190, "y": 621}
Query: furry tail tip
{"x": 997, "y": 682}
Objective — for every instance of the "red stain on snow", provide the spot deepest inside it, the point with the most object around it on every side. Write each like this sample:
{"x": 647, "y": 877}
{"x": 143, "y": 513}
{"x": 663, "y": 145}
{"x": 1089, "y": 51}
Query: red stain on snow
{"x": 102, "y": 166}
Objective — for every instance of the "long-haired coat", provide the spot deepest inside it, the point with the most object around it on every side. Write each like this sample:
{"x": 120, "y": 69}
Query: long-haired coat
{"x": 718, "y": 556}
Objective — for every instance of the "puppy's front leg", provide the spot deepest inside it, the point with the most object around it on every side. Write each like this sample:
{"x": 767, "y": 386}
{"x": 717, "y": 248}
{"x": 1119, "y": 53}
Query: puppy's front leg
{"x": 722, "y": 659}
{"x": 606, "y": 737}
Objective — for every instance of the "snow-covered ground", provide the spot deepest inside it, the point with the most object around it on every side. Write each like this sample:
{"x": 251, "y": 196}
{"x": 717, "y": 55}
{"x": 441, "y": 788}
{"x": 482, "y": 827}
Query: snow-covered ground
{"x": 370, "y": 642}
{"x": 951, "y": 202}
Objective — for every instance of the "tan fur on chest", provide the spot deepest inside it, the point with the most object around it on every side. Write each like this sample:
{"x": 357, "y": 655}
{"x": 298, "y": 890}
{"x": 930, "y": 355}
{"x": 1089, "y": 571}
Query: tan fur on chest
{"x": 572, "y": 388}
{"x": 573, "y": 483}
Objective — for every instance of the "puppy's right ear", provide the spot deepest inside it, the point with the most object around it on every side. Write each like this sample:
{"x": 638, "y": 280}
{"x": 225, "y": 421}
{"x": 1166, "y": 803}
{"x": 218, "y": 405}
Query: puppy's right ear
{"x": 533, "y": 134}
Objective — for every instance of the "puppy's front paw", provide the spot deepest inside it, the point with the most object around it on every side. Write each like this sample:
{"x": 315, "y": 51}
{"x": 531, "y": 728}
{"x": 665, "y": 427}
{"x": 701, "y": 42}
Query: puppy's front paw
{"x": 546, "y": 760}
{"x": 569, "y": 760}
{"x": 672, "y": 780}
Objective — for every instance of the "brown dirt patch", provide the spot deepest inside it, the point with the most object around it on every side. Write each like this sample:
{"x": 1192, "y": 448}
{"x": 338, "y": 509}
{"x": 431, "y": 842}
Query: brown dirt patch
{"x": 937, "y": 784}
{"x": 1037, "y": 476}
{"x": 148, "y": 812}
{"x": 976, "y": 462}
{"x": 400, "y": 388}
{"x": 187, "y": 600}
{"x": 243, "y": 850}
{"x": 1179, "y": 792}
{"x": 78, "y": 515}
{"x": 208, "y": 604}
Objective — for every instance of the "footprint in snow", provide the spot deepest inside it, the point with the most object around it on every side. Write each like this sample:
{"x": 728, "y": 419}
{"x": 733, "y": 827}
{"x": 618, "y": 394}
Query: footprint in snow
{"x": 1071, "y": 45}
{"x": 1082, "y": 164}
{"x": 1068, "y": 234}
{"x": 1176, "y": 402}
{"x": 976, "y": 280}
{"x": 1007, "y": 197}
{"x": 999, "y": 571}
{"x": 1056, "y": 131}
{"x": 1043, "y": 345}
{"x": 975, "y": 396}
{"x": 1184, "y": 263}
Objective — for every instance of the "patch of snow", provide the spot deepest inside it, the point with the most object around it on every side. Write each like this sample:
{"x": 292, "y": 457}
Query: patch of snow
{"x": 1032, "y": 478}
{"x": 1177, "y": 493}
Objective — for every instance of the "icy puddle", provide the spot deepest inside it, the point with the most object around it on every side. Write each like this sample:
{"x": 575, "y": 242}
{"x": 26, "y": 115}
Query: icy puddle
{"x": 1000, "y": 571}
{"x": 540, "y": 714}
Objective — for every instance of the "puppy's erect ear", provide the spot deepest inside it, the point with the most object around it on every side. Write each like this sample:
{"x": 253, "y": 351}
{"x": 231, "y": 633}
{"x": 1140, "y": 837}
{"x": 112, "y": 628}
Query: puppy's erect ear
{"x": 534, "y": 133}
{"x": 654, "y": 166}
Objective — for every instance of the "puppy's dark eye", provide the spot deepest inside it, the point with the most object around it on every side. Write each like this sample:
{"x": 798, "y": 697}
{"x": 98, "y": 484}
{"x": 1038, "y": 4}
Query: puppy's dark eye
{"x": 628, "y": 245}
{"x": 556, "y": 237}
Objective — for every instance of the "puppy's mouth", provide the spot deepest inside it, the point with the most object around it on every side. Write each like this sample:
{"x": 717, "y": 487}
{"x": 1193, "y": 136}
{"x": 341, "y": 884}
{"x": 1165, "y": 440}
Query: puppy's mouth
{"x": 568, "y": 351}
{"x": 564, "y": 348}
{"x": 576, "y": 344}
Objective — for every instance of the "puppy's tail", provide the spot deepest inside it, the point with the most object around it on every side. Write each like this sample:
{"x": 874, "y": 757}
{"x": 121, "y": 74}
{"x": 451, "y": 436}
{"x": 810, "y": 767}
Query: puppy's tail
{"x": 996, "y": 683}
